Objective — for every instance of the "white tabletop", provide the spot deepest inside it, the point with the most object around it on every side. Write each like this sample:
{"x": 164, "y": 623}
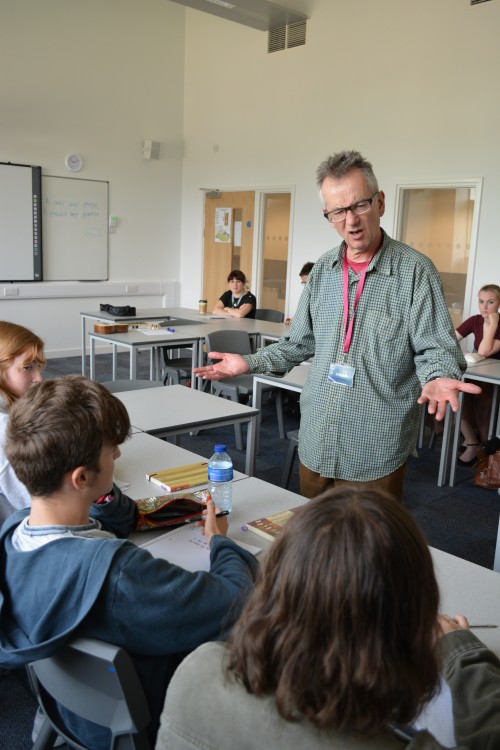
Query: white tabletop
{"x": 178, "y": 409}
{"x": 465, "y": 588}
{"x": 143, "y": 454}
{"x": 295, "y": 379}
{"x": 486, "y": 369}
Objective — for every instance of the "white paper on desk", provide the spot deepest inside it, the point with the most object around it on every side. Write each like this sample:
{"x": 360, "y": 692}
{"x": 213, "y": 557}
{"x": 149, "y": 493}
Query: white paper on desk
{"x": 186, "y": 547}
{"x": 155, "y": 331}
{"x": 437, "y": 717}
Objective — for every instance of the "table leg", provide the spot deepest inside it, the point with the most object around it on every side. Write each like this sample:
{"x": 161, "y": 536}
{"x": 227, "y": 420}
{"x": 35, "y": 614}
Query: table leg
{"x": 84, "y": 346}
{"x": 194, "y": 362}
{"x": 496, "y": 562}
{"x": 257, "y": 404}
{"x": 252, "y": 432}
{"x": 92, "y": 358}
{"x": 133, "y": 363}
{"x": 199, "y": 381}
{"x": 493, "y": 413}
{"x": 113, "y": 361}
{"x": 456, "y": 438}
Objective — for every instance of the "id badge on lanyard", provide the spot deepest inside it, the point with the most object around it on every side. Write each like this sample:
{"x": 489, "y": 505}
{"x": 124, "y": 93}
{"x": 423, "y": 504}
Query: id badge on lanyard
{"x": 339, "y": 372}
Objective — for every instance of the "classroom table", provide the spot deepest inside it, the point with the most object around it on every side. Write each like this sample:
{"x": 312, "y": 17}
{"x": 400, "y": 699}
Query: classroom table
{"x": 486, "y": 371}
{"x": 143, "y": 453}
{"x": 175, "y": 409}
{"x": 295, "y": 381}
{"x": 190, "y": 328}
{"x": 101, "y": 316}
{"x": 465, "y": 588}
{"x": 185, "y": 335}
{"x": 291, "y": 381}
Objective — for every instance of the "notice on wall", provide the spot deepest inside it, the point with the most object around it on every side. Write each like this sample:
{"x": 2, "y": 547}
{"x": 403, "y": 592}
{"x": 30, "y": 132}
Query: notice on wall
{"x": 223, "y": 223}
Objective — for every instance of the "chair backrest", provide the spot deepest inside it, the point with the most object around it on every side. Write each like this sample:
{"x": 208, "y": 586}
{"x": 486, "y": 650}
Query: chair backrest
{"x": 98, "y": 682}
{"x": 115, "y": 386}
{"x": 274, "y": 316}
{"x": 230, "y": 341}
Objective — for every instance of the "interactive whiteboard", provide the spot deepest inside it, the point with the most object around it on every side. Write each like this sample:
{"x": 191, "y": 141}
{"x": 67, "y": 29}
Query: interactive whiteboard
{"x": 20, "y": 237}
{"x": 74, "y": 229}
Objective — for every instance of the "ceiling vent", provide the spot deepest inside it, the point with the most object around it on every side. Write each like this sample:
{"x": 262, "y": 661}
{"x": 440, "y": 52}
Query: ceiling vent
{"x": 285, "y": 37}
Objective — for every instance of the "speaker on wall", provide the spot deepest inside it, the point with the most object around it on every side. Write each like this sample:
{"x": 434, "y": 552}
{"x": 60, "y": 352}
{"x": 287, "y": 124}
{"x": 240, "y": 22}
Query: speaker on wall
{"x": 151, "y": 149}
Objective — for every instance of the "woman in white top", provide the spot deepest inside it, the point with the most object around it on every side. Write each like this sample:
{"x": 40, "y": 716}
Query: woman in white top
{"x": 21, "y": 365}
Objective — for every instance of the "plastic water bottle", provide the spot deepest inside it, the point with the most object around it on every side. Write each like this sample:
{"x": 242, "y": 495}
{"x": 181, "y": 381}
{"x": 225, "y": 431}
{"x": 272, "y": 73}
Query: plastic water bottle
{"x": 220, "y": 478}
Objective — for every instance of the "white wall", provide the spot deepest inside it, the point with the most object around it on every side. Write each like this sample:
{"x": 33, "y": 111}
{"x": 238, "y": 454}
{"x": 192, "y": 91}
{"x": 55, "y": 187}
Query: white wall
{"x": 98, "y": 78}
{"x": 413, "y": 85}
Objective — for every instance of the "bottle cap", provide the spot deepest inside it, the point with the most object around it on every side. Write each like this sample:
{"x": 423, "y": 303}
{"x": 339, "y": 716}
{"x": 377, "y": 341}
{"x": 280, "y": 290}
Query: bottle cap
{"x": 220, "y": 448}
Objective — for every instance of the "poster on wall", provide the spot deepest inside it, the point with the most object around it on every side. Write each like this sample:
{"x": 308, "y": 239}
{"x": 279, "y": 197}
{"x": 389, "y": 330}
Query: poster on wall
{"x": 223, "y": 224}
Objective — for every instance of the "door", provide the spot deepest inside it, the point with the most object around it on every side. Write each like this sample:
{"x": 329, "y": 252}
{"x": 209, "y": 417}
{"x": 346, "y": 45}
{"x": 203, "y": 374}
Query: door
{"x": 441, "y": 221}
{"x": 227, "y": 240}
{"x": 273, "y": 252}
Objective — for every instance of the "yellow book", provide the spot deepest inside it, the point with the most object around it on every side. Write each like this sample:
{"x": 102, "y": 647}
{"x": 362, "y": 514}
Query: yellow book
{"x": 180, "y": 478}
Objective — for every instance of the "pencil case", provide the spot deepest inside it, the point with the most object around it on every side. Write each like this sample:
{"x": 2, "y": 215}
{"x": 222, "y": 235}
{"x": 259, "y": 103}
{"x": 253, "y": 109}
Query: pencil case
{"x": 169, "y": 510}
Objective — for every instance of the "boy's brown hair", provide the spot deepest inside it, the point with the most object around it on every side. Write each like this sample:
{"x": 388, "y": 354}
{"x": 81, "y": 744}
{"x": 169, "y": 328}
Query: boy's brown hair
{"x": 59, "y": 425}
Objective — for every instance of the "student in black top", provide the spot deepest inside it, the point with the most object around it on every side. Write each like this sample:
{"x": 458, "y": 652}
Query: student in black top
{"x": 236, "y": 303}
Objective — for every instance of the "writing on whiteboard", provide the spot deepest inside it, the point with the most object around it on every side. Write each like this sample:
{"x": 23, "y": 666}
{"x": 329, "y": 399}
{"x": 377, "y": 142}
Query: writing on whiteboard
{"x": 71, "y": 209}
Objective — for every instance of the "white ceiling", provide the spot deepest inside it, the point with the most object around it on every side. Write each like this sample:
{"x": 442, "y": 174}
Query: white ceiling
{"x": 258, "y": 14}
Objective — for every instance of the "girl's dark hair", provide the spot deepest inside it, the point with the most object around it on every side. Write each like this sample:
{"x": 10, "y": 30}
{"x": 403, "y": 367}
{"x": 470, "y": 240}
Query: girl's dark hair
{"x": 14, "y": 341}
{"x": 239, "y": 275}
{"x": 59, "y": 425}
{"x": 340, "y": 626}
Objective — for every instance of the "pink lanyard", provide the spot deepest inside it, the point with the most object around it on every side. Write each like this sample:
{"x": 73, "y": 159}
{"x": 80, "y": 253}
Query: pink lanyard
{"x": 349, "y": 328}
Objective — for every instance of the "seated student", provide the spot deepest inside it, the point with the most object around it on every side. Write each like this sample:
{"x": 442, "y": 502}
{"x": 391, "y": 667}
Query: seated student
{"x": 303, "y": 275}
{"x": 236, "y": 303}
{"x": 339, "y": 642}
{"x": 21, "y": 365}
{"x": 485, "y": 327}
{"x": 66, "y": 574}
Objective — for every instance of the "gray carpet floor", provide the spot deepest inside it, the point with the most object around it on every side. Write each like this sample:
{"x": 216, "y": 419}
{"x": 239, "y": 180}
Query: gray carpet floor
{"x": 461, "y": 520}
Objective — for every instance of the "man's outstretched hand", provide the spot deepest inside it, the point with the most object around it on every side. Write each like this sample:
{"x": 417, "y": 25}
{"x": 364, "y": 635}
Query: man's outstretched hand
{"x": 229, "y": 366}
{"x": 441, "y": 391}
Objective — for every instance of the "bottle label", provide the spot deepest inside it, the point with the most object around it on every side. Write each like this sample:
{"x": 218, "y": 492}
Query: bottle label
{"x": 220, "y": 475}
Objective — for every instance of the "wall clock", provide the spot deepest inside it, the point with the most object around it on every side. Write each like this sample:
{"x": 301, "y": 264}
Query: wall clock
{"x": 74, "y": 162}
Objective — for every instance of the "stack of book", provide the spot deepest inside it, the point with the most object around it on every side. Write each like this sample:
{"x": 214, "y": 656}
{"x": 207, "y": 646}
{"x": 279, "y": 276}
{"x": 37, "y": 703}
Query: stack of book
{"x": 180, "y": 478}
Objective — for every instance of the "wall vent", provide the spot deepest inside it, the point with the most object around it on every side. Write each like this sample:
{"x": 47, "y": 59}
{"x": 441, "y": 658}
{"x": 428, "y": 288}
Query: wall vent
{"x": 286, "y": 37}
{"x": 476, "y": 2}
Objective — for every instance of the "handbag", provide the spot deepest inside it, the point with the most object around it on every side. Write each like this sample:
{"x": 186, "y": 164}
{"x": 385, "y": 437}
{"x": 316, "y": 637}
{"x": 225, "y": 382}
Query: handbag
{"x": 170, "y": 510}
{"x": 488, "y": 470}
{"x": 125, "y": 311}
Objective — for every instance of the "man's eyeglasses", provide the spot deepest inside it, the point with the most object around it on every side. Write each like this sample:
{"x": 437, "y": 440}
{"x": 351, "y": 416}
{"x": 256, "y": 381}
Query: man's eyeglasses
{"x": 358, "y": 208}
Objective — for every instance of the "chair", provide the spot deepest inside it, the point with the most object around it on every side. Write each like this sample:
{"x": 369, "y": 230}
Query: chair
{"x": 274, "y": 316}
{"x": 115, "y": 386}
{"x": 98, "y": 682}
{"x": 238, "y": 342}
{"x": 293, "y": 437}
{"x": 176, "y": 369}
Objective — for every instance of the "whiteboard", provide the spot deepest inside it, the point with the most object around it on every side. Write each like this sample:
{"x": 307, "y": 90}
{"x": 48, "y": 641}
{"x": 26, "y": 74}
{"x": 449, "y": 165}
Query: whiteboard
{"x": 74, "y": 229}
{"x": 20, "y": 251}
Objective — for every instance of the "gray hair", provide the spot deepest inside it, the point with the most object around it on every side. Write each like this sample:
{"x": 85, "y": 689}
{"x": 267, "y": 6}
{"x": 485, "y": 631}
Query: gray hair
{"x": 338, "y": 165}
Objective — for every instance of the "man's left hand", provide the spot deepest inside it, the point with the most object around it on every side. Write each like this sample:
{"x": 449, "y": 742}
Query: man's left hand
{"x": 441, "y": 391}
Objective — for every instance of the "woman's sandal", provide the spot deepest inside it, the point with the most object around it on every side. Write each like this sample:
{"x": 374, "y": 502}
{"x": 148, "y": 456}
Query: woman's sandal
{"x": 473, "y": 461}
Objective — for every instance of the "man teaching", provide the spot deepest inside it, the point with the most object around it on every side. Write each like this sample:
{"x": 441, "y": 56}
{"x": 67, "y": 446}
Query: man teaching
{"x": 373, "y": 315}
